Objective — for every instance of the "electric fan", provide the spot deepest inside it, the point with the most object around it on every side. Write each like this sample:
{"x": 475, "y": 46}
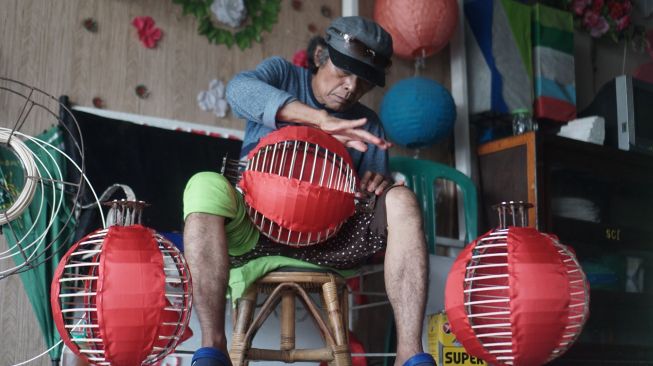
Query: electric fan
{"x": 41, "y": 177}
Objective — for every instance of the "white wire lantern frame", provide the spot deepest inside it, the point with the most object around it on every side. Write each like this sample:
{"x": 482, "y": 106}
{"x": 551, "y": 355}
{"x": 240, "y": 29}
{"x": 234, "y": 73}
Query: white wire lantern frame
{"x": 31, "y": 102}
{"x": 77, "y": 290}
{"x": 487, "y": 288}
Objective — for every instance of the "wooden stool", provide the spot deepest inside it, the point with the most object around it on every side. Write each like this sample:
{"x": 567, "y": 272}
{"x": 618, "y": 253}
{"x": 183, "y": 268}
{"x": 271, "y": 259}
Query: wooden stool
{"x": 284, "y": 286}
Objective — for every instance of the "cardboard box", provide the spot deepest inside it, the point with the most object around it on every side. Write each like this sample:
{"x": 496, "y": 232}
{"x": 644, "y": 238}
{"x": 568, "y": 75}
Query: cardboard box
{"x": 444, "y": 347}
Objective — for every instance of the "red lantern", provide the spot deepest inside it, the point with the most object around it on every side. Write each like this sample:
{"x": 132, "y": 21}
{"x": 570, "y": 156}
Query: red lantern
{"x": 516, "y": 296}
{"x": 299, "y": 186}
{"x": 419, "y": 28}
{"x": 122, "y": 296}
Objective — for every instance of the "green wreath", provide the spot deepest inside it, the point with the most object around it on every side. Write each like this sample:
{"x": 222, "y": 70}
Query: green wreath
{"x": 263, "y": 14}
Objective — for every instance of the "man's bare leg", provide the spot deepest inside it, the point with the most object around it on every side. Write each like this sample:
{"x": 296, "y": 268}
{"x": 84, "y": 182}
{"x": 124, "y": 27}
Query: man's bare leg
{"x": 406, "y": 270}
{"x": 205, "y": 246}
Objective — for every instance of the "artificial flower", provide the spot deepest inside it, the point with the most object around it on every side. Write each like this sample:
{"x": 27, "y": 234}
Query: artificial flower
{"x": 300, "y": 58}
{"x": 148, "y": 33}
{"x": 214, "y": 99}
{"x": 608, "y": 18}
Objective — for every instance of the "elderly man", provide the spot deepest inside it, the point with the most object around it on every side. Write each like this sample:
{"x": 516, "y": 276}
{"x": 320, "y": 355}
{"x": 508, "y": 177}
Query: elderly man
{"x": 218, "y": 235}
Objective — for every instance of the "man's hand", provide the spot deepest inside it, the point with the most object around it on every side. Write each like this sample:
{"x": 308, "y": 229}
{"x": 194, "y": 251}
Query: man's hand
{"x": 350, "y": 133}
{"x": 372, "y": 183}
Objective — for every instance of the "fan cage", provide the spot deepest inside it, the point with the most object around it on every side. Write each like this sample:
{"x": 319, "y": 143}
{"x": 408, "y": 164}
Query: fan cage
{"x": 77, "y": 299}
{"x": 24, "y": 107}
{"x": 305, "y": 162}
{"x": 487, "y": 298}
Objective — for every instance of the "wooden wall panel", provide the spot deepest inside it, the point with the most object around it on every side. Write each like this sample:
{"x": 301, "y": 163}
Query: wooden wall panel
{"x": 43, "y": 43}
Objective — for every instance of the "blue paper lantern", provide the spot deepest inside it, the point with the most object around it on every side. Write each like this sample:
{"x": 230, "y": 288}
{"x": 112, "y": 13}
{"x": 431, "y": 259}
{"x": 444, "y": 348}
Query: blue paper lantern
{"x": 417, "y": 112}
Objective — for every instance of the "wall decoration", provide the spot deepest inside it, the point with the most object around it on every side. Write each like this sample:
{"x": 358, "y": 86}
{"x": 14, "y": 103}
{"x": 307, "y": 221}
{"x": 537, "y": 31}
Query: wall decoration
{"x": 214, "y": 99}
{"x": 299, "y": 186}
{"x": 300, "y": 58}
{"x": 229, "y": 12}
{"x": 148, "y": 33}
{"x": 418, "y": 28}
{"x": 516, "y": 296}
{"x": 98, "y": 102}
{"x": 141, "y": 91}
{"x": 417, "y": 112}
{"x": 263, "y": 14}
{"x": 90, "y": 25}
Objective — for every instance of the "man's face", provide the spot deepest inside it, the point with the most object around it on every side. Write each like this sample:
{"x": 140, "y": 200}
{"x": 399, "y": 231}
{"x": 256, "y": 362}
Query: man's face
{"x": 338, "y": 89}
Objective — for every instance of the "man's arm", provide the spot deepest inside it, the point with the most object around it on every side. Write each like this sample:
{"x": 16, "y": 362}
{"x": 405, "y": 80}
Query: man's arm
{"x": 257, "y": 95}
{"x": 346, "y": 131}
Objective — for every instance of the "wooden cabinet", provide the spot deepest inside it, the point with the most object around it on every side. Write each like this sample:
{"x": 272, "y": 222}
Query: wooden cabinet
{"x": 599, "y": 201}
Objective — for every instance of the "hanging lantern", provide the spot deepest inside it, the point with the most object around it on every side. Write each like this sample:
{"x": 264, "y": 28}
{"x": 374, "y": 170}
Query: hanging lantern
{"x": 122, "y": 296}
{"x": 418, "y": 112}
{"x": 419, "y": 28}
{"x": 299, "y": 186}
{"x": 516, "y": 296}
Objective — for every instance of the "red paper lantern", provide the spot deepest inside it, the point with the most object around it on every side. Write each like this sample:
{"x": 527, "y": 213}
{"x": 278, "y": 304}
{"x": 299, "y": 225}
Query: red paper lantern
{"x": 299, "y": 186}
{"x": 122, "y": 296}
{"x": 419, "y": 28}
{"x": 516, "y": 296}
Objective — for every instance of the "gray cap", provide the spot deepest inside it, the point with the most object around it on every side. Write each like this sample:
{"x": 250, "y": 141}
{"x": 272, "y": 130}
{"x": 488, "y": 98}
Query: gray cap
{"x": 360, "y": 46}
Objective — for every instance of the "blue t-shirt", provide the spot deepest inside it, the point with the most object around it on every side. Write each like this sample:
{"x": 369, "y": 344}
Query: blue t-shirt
{"x": 258, "y": 94}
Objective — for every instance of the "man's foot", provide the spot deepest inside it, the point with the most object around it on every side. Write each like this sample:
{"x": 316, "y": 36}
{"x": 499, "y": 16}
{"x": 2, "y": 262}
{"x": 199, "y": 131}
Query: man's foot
{"x": 420, "y": 359}
{"x": 209, "y": 356}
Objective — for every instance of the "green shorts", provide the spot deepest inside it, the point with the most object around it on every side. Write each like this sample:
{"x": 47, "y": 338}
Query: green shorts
{"x": 211, "y": 193}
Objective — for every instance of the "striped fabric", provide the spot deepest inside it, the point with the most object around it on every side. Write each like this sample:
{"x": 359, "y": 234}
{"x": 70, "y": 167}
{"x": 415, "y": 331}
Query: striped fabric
{"x": 520, "y": 57}
{"x": 553, "y": 51}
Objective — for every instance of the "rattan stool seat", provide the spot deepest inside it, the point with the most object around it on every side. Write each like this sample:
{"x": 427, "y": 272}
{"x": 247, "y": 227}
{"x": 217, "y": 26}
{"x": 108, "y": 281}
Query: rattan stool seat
{"x": 284, "y": 286}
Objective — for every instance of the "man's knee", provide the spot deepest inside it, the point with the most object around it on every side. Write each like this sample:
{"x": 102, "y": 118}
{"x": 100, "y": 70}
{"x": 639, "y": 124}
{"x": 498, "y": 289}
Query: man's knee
{"x": 401, "y": 200}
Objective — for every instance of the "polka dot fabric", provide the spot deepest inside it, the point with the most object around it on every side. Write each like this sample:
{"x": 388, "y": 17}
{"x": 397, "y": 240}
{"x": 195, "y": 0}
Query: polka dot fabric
{"x": 349, "y": 248}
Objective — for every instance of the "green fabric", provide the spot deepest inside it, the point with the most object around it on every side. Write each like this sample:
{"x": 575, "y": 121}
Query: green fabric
{"x": 519, "y": 17}
{"x": 210, "y": 192}
{"x": 37, "y": 280}
{"x": 553, "y": 38}
{"x": 553, "y": 18}
{"x": 240, "y": 278}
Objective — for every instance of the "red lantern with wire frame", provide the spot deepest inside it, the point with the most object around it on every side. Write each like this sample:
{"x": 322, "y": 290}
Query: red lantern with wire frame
{"x": 122, "y": 296}
{"x": 516, "y": 296}
{"x": 419, "y": 28}
{"x": 299, "y": 186}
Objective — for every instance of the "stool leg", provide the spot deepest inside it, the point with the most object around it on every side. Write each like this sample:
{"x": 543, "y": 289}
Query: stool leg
{"x": 287, "y": 321}
{"x": 245, "y": 306}
{"x": 341, "y": 354}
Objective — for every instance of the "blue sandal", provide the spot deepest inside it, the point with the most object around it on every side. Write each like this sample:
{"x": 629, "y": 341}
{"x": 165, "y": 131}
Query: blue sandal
{"x": 209, "y": 356}
{"x": 420, "y": 359}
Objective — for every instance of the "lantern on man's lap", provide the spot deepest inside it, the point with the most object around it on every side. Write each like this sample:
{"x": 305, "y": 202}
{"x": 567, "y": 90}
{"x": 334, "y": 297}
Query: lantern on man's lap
{"x": 122, "y": 295}
{"x": 299, "y": 185}
{"x": 516, "y": 296}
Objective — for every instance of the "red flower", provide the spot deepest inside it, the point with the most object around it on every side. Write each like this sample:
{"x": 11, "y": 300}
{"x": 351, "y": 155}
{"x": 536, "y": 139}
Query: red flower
{"x": 623, "y": 23}
{"x": 616, "y": 10}
{"x": 579, "y": 6}
{"x": 597, "y": 5}
{"x": 148, "y": 33}
{"x": 300, "y": 58}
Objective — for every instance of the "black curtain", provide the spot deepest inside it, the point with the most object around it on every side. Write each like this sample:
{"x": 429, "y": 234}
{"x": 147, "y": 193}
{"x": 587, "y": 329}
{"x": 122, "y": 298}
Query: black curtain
{"x": 155, "y": 162}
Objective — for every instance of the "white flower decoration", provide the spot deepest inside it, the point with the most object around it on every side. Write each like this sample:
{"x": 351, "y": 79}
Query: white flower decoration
{"x": 230, "y": 12}
{"x": 213, "y": 99}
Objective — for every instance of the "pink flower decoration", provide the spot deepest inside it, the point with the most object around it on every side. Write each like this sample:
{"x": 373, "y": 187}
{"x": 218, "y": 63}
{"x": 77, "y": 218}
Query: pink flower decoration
{"x": 300, "y": 58}
{"x": 596, "y": 24}
{"x": 623, "y": 23}
{"x": 148, "y": 33}
{"x": 580, "y": 5}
